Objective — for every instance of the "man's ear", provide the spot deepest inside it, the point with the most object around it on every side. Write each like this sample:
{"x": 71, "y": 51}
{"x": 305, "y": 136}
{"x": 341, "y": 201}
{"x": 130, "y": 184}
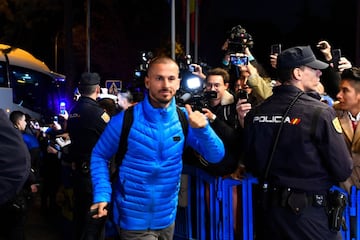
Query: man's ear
{"x": 297, "y": 72}
{"x": 98, "y": 89}
{"x": 178, "y": 85}
{"x": 146, "y": 81}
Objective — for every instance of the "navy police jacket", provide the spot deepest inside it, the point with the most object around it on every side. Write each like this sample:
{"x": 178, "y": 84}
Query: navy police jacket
{"x": 311, "y": 154}
{"x": 87, "y": 120}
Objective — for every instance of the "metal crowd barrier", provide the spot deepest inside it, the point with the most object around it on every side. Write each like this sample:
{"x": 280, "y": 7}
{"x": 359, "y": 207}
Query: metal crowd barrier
{"x": 205, "y": 209}
{"x": 205, "y": 212}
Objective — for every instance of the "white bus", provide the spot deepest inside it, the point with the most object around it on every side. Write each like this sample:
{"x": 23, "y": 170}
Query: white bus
{"x": 28, "y": 85}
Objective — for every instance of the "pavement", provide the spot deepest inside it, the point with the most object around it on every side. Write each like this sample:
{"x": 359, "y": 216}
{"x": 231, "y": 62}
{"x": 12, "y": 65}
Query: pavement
{"x": 44, "y": 224}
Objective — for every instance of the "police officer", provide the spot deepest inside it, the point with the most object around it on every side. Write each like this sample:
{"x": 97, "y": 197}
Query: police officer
{"x": 86, "y": 122}
{"x": 294, "y": 145}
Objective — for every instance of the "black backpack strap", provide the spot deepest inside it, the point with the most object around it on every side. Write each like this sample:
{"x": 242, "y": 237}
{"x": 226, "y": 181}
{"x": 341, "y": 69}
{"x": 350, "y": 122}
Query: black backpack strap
{"x": 183, "y": 120}
{"x": 122, "y": 148}
{"x": 127, "y": 122}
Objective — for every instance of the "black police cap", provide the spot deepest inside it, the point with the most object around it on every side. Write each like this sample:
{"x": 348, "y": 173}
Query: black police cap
{"x": 88, "y": 78}
{"x": 299, "y": 56}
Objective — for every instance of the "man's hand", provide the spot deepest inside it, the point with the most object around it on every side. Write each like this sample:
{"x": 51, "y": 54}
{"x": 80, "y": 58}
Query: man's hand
{"x": 198, "y": 71}
{"x": 51, "y": 149}
{"x": 64, "y": 115}
{"x": 344, "y": 63}
{"x": 242, "y": 108}
{"x": 325, "y": 48}
{"x": 273, "y": 60}
{"x": 196, "y": 118}
{"x": 99, "y": 210}
{"x": 209, "y": 115}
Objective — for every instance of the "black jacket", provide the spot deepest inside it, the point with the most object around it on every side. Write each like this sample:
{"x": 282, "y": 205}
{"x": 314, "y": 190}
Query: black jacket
{"x": 87, "y": 120}
{"x": 14, "y": 159}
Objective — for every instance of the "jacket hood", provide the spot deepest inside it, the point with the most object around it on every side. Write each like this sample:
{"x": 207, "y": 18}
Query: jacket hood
{"x": 227, "y": 98}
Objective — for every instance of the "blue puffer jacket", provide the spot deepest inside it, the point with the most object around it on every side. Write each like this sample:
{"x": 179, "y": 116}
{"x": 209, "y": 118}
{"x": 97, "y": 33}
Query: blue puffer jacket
{"x": 146, "y": 191}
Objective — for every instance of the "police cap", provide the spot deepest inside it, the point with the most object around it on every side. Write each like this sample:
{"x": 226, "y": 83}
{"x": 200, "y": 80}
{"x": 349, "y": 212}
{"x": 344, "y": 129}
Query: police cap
{"x": 88, "y": 78}
{"x": 299, "y": 56}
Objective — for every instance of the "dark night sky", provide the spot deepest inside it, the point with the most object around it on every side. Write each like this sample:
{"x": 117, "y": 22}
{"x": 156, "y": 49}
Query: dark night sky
{"x": 123, "y": 30}
{"x": 295, "y": 22}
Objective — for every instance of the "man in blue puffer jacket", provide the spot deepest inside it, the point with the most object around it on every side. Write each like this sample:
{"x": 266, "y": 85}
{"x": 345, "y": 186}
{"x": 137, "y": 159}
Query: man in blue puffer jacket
{"x": 147, "y": 185}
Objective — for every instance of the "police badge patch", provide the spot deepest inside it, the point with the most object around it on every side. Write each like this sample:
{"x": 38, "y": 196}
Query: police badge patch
{"x": 105, "y": 117}
{"x": 336, "y": 124}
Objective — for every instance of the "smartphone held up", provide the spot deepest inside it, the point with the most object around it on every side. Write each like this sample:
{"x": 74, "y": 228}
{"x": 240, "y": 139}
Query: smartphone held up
{"x": 336, "y": 55}
{"x": 239, "y": 60}
{"x": 62, "y": 108}
{"x": 242, "y": 94}
{"x": 275, "y": 49}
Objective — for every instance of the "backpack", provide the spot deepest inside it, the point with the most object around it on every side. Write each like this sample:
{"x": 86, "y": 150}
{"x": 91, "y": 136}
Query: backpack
{"x": 127, "y": 122}
{"x": 190, "y": 157}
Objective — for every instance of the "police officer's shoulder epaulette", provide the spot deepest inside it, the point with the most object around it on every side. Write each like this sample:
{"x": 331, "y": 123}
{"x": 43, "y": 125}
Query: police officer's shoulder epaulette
{"x": 337, "y": 125}
{"x": 105, "y": 117}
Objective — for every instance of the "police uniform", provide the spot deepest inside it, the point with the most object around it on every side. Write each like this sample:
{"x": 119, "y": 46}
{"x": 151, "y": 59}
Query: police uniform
{"x": 310, "y": 156}
{"x": 87, "y": 120}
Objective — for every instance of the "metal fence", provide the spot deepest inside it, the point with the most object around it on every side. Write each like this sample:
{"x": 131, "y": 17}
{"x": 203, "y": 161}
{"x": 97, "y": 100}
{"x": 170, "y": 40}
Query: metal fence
{"x": 206, "y": 208}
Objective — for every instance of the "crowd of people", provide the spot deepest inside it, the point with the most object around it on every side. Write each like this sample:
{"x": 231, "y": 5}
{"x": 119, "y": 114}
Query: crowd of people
{"x": 296, "y": 132}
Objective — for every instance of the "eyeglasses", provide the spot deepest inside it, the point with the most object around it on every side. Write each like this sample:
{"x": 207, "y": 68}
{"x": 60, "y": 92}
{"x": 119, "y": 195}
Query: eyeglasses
{"x": 215, "y": 85}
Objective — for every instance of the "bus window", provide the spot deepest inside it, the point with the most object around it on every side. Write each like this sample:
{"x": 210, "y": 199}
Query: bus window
{"x": 2, "y": 75}
{"x": 34, "y": 90}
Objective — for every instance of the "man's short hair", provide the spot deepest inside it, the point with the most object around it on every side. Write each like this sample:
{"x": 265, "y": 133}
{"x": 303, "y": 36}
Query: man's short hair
{"x": 351, "y": 74}
{"x": 88, "y": 83}
{"x": 219, "y": 71}
{"x": 88, "y": 78}
{"x": 158, "y": 60}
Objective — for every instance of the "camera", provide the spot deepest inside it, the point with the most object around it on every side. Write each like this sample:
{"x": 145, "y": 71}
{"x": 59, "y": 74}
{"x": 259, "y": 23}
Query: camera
{"x": 192, "y": 91}
{"x": 137, "y": 86}
{"x": 239, "y": 60}
{"x": 192, "y": 87}
{"x": 191, "y": 68}
{"x": 239, "y": 40}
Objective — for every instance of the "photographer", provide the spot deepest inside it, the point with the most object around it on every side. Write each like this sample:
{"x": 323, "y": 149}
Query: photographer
{"x": 237, "y": 42}
{"x": 258, "y": 87}
{"x": 245, "y": 72}
{"x": 221, "y": 112}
